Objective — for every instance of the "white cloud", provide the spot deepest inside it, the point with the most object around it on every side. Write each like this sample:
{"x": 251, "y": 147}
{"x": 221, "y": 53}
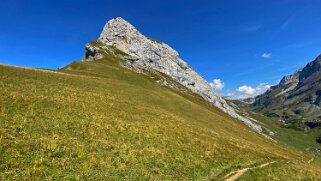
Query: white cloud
{"x": 266, "y": 55}
{"x": 248, "y": 91}
{"x": 217, "y": 84}
{"x": 230, "y": 94}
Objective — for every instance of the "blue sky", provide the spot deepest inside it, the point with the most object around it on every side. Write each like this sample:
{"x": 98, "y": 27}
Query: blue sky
{"x": 221, "y": 39}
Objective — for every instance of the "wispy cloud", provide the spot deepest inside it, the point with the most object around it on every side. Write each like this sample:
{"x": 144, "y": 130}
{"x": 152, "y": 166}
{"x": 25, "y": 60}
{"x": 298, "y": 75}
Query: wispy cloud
{"x": 300, "y": 44}
{"x": 252, "y": 28}
{"x": 292, "y": 18}
{"x": 293, "y": 67}
{"x": 287, "y": 22}
{"x": 266, "y": 55}
{"x": 217, "y": 84}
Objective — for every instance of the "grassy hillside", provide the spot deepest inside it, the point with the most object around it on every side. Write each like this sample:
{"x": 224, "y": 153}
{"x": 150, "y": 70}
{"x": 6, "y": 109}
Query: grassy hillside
{"x": 304, "y": 140}
{"x": 101, "y": 121}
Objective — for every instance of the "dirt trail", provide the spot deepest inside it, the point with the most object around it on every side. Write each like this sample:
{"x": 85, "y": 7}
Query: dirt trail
{"x": 232, "y": 176}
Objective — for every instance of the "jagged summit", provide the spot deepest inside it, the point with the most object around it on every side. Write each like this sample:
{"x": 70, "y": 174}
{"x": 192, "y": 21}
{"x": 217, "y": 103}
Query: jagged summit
{"x": 118, "y": 23}
{"x": 294, "y": 78}
{"x": 119, "y": 20}
{"x": 117, "y": 27}
{"x": 147, "y": 54}
{"x": 121, "y": 34}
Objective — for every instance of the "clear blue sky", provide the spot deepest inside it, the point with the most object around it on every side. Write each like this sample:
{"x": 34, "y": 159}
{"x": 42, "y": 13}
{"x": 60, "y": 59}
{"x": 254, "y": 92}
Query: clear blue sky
{"x": 221, "y": 39}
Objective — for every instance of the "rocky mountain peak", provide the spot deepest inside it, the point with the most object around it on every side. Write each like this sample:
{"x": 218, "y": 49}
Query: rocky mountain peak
{"x": 311, "y": 68}
{"x": 299, "y": 94}
{"x": 148, "y": 54}
{"x": 124, "y": 36}
{"x": 118, "y": 28}
{"x": 289, "y": 79}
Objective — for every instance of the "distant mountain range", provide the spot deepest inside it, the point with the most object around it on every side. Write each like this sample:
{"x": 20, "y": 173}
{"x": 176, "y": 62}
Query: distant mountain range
{"x": 296, "y": 99}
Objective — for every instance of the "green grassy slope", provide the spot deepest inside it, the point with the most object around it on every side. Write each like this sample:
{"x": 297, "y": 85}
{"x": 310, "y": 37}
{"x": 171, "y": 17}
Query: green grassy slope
{"x": 100, "y": 121}
{"x": 299, "y": 139}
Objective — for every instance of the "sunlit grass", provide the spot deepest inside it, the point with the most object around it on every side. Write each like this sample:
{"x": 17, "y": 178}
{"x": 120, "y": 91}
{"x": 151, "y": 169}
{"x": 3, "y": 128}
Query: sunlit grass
{"x": 101, "y": 121}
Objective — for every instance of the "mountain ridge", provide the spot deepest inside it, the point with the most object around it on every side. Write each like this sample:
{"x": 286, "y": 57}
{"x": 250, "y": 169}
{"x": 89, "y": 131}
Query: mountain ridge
{"x": 296, "y": 98}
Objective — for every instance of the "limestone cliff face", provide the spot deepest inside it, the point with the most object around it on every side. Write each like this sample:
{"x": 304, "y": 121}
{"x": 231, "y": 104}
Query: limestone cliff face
{"x": 148, "y": 54}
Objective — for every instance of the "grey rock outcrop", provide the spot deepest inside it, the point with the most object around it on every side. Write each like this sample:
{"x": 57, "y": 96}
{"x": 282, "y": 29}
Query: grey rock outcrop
{"x": 291, "y": 79}
{"x": 149, "y": 54}
{"x": 91, "y": 53}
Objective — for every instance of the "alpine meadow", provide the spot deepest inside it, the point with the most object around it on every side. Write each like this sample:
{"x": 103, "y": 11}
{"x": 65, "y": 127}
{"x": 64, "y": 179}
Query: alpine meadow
{"x": 133, "y": 109}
